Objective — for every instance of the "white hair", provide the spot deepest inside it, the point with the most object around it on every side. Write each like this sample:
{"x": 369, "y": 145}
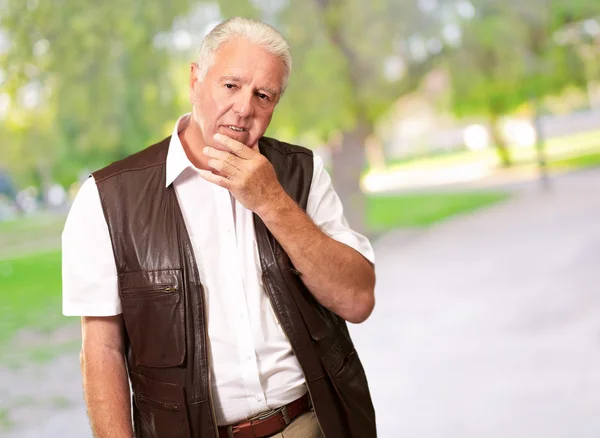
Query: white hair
{"x": 253, "y": 31}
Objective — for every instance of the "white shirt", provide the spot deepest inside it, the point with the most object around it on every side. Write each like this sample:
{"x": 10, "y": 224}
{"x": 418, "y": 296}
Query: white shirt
{"x": 252, "y": 364}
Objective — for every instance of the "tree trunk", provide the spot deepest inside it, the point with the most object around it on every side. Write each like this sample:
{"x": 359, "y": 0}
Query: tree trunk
{"x": 375, "y": 153}
{"x": 498, "y": 140}
{"x": 348, "y": 160}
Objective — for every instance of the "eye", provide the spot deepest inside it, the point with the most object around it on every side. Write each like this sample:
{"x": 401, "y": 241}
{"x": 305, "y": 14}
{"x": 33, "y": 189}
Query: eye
{"x": 263, "y": 96}
{"x": 230, "y": 86}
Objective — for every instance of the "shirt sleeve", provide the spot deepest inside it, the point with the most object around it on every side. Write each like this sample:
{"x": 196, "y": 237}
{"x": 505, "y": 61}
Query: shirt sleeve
{"x": 325, "y": 209}
{"x": 89, "y": 272}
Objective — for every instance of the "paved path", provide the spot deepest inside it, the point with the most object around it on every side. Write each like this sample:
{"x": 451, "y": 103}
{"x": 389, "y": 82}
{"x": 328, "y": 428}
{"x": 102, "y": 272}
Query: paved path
{"x": 489, "y": 326}
{"x": 486, "y": 326}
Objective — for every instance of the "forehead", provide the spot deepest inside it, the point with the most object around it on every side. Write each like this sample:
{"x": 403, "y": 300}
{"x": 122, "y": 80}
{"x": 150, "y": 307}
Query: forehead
{"x": 250, "y": 62}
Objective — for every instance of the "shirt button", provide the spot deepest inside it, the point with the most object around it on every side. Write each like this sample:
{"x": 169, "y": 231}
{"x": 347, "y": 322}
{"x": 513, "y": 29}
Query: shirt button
{"x": 258, "y": 399}
{"x": 248, "y": 357}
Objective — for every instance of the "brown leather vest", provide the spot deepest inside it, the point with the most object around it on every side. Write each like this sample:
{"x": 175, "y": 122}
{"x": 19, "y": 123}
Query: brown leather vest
{"x": 164, "y": 311}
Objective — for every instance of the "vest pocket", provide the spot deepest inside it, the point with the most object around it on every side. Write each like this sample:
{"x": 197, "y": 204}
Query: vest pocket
{"x": 350, "y": 382}
{"x": 161, "y": 408}
{"x": 154, "y": 315}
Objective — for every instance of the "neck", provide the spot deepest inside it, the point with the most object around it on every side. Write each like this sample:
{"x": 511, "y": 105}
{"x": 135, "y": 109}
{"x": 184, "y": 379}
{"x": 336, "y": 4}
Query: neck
{"x": 191, "y": 139}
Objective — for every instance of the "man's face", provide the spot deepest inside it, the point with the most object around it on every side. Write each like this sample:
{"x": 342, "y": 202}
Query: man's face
{"x": 239, "y": 93}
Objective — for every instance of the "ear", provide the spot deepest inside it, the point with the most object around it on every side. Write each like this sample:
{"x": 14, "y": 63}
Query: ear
{"x": 193, "y": 81}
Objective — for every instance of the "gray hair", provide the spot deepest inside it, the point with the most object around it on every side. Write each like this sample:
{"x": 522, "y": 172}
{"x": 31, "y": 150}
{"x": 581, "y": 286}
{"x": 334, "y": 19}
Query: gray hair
{"x": 253, "y": 31}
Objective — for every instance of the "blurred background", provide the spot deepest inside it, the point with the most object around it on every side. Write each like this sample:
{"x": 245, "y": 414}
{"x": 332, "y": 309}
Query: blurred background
{"x": 463, "y": 137}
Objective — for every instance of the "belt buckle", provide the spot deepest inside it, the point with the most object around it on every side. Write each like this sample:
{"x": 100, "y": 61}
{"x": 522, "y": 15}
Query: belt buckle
{"x": 234, "y": 431}
{"x": 242, "y": 428}
{"x": 266, "y": 415}
{"x": 282, "y": 410}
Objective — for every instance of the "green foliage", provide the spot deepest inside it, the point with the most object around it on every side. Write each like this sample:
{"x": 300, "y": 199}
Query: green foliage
{"x": 105, "y": 91}
{"x": 109, "y": 89}
{"x": 340, "y": 49}
{"x": 509, "y": 55}
{"x": 318, "y": 99}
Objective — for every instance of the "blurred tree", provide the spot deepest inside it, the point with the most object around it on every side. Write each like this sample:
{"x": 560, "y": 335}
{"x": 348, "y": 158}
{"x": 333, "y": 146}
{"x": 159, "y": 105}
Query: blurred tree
{"x": 352, "y": 60}
{"x": 86, "y": 81}
{"x": 89, "y": 83}
{"x": 105, "y": 90}
{"x": 579, "y": 23}
{"x": 509, "y": 56}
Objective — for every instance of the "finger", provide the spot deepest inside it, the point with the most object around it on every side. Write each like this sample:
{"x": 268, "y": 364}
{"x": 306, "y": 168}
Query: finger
{"x": 237, "y": 148}
{"x": 223, "y": 167}
{"x": 215, "y": 179}
{"x": 227, "y": 157}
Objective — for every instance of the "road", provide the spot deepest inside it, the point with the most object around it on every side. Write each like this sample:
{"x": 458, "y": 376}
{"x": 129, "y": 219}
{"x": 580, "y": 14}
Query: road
{"x": 489, "y": 325}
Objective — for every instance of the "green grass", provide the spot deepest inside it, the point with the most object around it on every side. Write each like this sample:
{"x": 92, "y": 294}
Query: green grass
{"x": 30, "y": 287}
{"x": 555, "y": 149}
{"x": 423, "y": 209}
{"x": 580, "y": 162}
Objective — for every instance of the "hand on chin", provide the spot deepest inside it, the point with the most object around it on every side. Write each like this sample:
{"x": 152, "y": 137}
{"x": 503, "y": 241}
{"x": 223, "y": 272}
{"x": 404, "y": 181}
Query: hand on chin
{"x": 242, "y": 137}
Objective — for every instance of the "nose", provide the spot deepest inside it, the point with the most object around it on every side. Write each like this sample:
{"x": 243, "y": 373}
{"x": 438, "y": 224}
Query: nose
{"x": 243, "y": 104}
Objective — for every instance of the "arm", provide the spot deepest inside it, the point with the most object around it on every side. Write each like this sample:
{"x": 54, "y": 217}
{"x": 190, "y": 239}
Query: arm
{"x": 105, "y": 382}
{"x": 339, "y": 277}
{"x": 90, "y": 290}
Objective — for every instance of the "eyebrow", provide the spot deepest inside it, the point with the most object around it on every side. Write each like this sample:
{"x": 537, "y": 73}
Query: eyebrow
{"x": 231, "y": 78}
{"x": 269, "y": 90}
{"x": 238, "y": 79}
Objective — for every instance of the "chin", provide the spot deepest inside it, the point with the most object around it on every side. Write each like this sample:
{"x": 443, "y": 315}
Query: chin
{"x": 242, "y": 137}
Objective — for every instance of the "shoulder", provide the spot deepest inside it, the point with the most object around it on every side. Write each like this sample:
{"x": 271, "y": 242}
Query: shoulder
{"x": 151, "y": 156}
{"x": 293, "y": 166}
{"x": 271, "y": 145}
{"x": 85, "y": 213}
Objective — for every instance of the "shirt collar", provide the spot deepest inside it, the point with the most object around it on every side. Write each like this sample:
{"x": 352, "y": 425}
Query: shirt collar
{"x": 177, "y": 160}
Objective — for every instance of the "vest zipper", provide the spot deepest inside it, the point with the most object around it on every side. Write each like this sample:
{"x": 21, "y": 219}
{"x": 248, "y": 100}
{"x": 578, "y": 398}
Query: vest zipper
{"x": 267, "y": 283}
{"x": 171, "y": 406}
{"x": 153, "y": 291}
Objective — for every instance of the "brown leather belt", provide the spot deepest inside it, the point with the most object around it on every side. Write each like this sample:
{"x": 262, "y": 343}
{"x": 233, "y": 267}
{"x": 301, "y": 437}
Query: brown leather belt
{"x": 271, "y": 423}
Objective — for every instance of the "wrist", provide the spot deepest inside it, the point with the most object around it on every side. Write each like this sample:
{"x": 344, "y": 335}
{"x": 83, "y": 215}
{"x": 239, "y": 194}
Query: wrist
{"x": 279, "y": 207}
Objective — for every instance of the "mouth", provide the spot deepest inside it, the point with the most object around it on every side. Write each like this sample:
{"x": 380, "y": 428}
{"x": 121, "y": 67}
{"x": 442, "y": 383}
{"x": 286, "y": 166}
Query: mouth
{"x": 236, "y": 128}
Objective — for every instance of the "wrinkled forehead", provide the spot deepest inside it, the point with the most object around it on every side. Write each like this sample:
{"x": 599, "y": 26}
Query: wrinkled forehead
{"x": 248, "y": 62}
